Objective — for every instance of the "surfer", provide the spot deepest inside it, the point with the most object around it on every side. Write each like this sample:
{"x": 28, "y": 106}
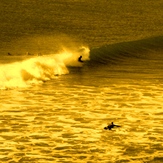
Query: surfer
{"x": 79, "y": 59}
{"x": 9, "y": 54}
{"x": 112, "y": 125}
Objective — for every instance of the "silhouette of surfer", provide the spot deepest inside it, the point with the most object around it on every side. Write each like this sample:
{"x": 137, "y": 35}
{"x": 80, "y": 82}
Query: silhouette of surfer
{"x": 80, "y": 59}
{"x": 112, "y": 125}
{"x": 9, "y": 54}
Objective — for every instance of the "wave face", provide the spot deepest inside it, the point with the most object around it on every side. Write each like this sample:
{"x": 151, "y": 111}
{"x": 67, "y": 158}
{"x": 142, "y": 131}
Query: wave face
{"x": 38, "y": 69}
{"x": 151, "y": 48}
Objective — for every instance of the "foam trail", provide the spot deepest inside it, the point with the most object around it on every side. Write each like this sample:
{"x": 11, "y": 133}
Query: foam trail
{"x": 36, "y": 70}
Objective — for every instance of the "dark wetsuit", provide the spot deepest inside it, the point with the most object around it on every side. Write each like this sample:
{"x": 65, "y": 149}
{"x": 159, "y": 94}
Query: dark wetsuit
{"x": 79, "y": 59}
{"x": 109, "y": 127}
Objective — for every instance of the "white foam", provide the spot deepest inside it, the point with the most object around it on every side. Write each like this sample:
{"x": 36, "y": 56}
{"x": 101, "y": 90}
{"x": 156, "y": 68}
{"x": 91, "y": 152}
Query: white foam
{"x": 38, "y": 69}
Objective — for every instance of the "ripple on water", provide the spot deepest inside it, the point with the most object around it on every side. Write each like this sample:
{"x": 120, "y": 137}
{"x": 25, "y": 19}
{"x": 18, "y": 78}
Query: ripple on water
{"x": 68, "y": 127}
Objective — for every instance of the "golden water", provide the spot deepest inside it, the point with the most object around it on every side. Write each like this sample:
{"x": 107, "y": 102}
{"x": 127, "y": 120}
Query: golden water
{"x": 63, "y": 120}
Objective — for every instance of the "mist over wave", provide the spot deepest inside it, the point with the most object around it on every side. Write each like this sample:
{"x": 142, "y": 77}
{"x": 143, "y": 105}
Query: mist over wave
{"x": 38, "y": 69}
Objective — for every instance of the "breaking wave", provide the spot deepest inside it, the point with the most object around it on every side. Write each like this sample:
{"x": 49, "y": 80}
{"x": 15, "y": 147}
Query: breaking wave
{"x": 38, "y": 69}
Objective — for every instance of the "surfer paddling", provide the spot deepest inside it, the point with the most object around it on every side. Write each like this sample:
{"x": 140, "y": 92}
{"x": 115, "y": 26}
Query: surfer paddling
{"x": 80, "y": 59}
{"x": 112, "y": 125}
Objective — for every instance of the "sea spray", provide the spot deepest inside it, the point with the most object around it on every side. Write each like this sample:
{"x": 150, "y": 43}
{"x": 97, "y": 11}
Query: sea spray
{"x": 70, "y": 57}
{"x": 39, "y": 69}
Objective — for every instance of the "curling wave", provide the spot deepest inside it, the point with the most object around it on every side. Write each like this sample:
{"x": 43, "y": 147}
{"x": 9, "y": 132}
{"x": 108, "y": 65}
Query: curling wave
{"x": 39, "y": 69}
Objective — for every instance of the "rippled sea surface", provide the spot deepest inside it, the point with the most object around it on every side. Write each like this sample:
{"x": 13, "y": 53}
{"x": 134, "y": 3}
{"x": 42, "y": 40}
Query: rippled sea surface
{"x": 63, "y": 120}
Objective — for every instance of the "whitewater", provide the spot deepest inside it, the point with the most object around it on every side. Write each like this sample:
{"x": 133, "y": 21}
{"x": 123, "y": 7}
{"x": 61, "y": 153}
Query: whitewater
{"x": 38, "y": 69}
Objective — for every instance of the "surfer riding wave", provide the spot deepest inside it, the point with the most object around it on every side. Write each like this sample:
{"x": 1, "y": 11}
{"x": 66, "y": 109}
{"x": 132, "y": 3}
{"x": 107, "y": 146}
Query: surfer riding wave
{"x": 80, "y": 59}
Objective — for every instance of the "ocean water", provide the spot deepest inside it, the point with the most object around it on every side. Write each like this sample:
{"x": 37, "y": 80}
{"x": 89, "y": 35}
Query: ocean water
{"x": 54, "y": 108}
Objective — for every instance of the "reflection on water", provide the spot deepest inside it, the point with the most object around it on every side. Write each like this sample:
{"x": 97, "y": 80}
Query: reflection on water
{"x": 61, "y": 122}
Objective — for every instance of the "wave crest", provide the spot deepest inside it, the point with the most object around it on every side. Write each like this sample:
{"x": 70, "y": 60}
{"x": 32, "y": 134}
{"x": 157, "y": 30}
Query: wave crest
{"x": 39, "y": 69}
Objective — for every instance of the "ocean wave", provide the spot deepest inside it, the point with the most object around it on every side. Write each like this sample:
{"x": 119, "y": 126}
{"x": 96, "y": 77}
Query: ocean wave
{"x": 39, "y": 69}
{"x": 120, "y": 52}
